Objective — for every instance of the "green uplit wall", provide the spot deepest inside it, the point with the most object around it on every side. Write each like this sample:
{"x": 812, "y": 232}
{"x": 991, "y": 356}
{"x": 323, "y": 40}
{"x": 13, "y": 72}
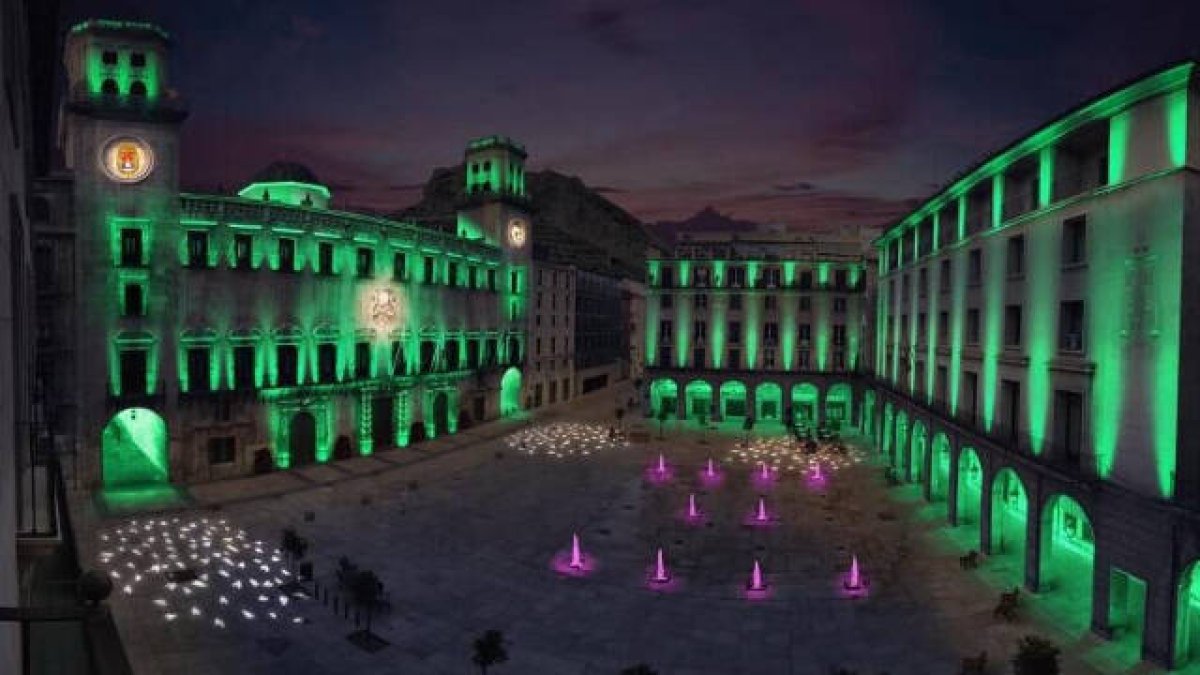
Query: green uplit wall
{"x": 134, "y": 449}
{"x": 122, "y": 73}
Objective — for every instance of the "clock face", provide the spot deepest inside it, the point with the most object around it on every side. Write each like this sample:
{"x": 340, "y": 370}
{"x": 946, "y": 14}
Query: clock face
{"x": 518, "y": 232}
{"x": 127, "y": 159}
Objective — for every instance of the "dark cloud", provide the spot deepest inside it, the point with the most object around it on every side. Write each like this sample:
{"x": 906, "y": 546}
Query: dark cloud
{"x": 799, "y": 186}
{"x": 609, "y": 26}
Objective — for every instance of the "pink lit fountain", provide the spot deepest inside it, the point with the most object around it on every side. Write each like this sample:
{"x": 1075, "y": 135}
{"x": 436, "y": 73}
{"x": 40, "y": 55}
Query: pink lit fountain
{"x": 854, "y": 584}
{"x": 659, "y": 472}
{"x": 760, "y": 516}
{"x": 660, "y": 578}
{"x": 709, "y": 475}
{"x": 694, "y": 514}
{"x": 765, "y": 476}
{"x": 574, "y": 563}
{"x": 756, "y": 587}
{"x": 816, "y": 478}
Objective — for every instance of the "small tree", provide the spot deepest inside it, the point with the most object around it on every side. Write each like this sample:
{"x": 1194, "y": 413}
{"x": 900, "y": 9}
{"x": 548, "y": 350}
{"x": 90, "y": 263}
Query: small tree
{"x": 662, "y": 419}
{"x": 365, "y": 590}
{"x": 620, "y": 416}
{"x": 489, "y": 650}
{"x": 747, "y": 425}
{"x": 1035, "y": 656}
{"x": 293, "y": 546}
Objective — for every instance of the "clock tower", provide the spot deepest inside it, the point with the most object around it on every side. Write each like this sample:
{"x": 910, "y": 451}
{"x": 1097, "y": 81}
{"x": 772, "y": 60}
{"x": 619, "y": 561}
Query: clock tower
{"x": 495, "y": 207}
{"x": 121, "y": 143}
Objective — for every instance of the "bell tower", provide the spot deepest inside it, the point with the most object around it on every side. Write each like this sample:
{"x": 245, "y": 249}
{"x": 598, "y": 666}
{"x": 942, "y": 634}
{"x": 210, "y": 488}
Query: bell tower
{"x": 120, "y": 138}
{"x": 495, "y": 205}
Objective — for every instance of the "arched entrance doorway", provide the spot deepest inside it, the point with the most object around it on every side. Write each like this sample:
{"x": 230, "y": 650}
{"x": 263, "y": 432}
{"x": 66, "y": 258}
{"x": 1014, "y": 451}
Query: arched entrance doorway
{"x": 134, "y": 449}
{"x": 441, "y": 411}
{"x": 868, "y": 419}
{"x": 733, "y": 399}
{"x": 1010, "y": 506}
{"x": 1067, "y": 557}
{"x": 839, "y": 406}
{"x": 970, "y": 487}
{"x": 901, "y": 450}
{"x": 805, "y": 397}
{"x": 769, "y": 399}
{"x": 383, "y": 423}
{"x": 939, "y": 474}
{"x": 919, "y": 446}
{"x": 699, "y": 400}
{"x": 302, "y": 439}
{"x": 663, "y": 395}
{"x": 510, "y": 392}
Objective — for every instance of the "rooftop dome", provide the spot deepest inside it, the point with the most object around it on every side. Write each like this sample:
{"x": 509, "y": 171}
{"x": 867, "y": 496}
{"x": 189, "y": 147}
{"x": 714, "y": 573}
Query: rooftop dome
{"x": 284, "y": 171}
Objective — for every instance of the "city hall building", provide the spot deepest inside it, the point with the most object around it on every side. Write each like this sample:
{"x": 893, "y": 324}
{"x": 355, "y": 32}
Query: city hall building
{"x": 188, "y": 337}
{"x": 1034, "y": 359}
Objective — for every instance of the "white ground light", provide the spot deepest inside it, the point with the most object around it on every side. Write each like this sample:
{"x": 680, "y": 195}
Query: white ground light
{"x": 782, "y": 453}
{"x": 564, "y": 439}
{"x": 199, "y": 570}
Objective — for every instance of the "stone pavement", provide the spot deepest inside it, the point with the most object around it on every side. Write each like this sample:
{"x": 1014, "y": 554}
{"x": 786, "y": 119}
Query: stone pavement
{"x": 462, "y": 531}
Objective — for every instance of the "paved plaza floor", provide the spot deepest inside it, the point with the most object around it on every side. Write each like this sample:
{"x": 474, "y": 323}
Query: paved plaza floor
{"x": 464, "y": 533}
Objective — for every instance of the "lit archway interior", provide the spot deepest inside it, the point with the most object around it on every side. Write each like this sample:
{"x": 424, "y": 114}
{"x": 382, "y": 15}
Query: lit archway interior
{"x": 510, "y": 393}
{"x": 1010, "y": 506}
{"x": 901, "y": 442}
{"x": 939, "y": 475}
{"x": 134, "y": 449}
{"x": 868, "y": 420}
{"x": 733, "y": 399}
{"x": 663, "y": 394}
{"x": 970, "y": 487}
{"x": 920, "y": 441}
{"x": 839, "y": 405}
{"x": 1187, "y": 619}
{"x": 769, "y": 399}
{"x": 804, "y": 403}
{"x": 699, "y": 399}
{"x": 1067, "y": 557}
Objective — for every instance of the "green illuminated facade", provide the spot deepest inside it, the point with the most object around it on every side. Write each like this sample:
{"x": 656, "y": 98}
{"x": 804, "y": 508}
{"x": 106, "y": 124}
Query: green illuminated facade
{"x": 763, "y": 327}
{"x": 1034, "y": 318}
{"x": 220, "y": 335}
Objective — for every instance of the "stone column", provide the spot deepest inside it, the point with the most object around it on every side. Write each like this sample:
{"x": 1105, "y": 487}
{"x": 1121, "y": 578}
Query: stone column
{"x": 952, "y": 484}
{"x": 1034, "y": 538}
{"x": 985, "y": 509}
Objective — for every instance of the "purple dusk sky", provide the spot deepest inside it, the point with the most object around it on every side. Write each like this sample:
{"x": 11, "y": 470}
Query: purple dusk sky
{"x": 812, "y": 114}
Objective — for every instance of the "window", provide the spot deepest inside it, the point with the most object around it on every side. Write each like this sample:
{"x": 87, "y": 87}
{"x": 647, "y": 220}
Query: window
{"x": 109, "y": 88}
{"x": 972, "y": 326}
{"x": 473, "y": 277}
{"x": 428, "y": 276}
{"x": 1010, "y": 408}
{"x": 222, "y": 450}
{"x": 735, "y": 358}
{"x": 137, "y": 60}
{"x": 668, "y": 277}
{"x": 839, "y": 305}
{"x": 1016, "y": 257}
{"x": 400, "y": 266}
{"x": 286, "y": 365}
{"x": 737, "y": 277}
{"x": 197, "y": 369}
{"x": 698, "y": 357}
{"x": 243, "y": 367}
{"x": 131, "y": 247}
{"x": 839, "y": 334}
{"x": 453, "y": 359}
{"x": 665, "y": 329}
{"x": 109, "y": 58}
{"x": 1068, "y": 425}
{"x": 806, "y": 279}
{"x": 1070, "y": 326}
{"x": 287, "y": 255}
{"x": 452, "y": 274}
{"x": 943, "y": 327}
{"x": 133, "y": 371}
{"x": 243, "y": 251}
{"x": 805, "y": 303}
{"x": 804, "y": 359}
{"x": 472, "y": 354}
{"x": 137, "y": 89}
{"x": 197, "y": 246}
{"x": 735, "y": 332}
{"x": 769, "y": 302}
{"x": 1012, "y": 326}
{"x": 327, "y": 362}
{"x": 921, "y": 327}
{"x": 922, "y": 281}
{"x": 491, "y": 279}
{"x": 365, "y": 263}
{"x": 134, "y": 300}
{"x": 944, "y": 276}
{"x": 701, "y": 300}
{"x": 805, "y": 333}
{"x": 1074, "y": 242}
{"x": 514, "y": 281}
{"x": 324, "y": 258}
{"x": 428, "y": 353}
{"x": 840, "y": 278}
{"x": 974, "y": 267}
{"x": 735, "y": 302}
{"x": 969, "y": 395}
{"x": 699, "y": 330}
{"x": 771, "y": 333}
{"x": 667, "y": 300}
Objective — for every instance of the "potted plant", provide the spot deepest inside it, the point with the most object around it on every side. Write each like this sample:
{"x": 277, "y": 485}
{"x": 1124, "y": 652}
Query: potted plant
{"x": 489, "y": 650}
